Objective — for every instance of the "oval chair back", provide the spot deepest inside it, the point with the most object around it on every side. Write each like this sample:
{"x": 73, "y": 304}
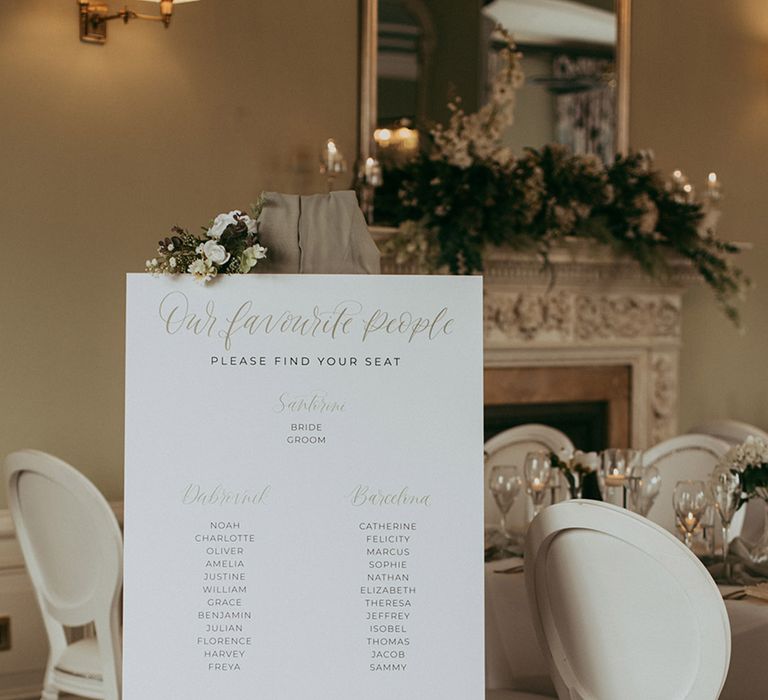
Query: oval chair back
{"x": 753, "y": 515}
{"x": 72, "y": 547}
{"x": 686, "y": 457}
{"x": 621, "y": 608}
{"x": 732, "y": 431}
{"x": 510, "y": 447}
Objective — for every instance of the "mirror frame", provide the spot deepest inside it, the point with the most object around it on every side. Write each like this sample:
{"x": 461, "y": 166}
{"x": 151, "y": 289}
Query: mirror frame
{"x": 369, "y": 47}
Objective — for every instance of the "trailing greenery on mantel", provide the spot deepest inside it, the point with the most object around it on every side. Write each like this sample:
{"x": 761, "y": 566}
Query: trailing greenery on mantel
{"x": 469, "y": 194}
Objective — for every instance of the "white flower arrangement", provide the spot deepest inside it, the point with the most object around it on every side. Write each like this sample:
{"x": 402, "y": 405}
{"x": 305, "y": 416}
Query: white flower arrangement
{"x": 470, "y": 191}
{"x": 752, "y": 452}
{"x": 230, "y": 245}
{"x": 477, "y": 136}
{"x": 750, "y": 460}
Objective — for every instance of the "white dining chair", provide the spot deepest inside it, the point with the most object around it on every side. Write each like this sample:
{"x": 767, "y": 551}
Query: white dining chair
{"x": 513, "y": 695}
{"x": 622, "y": 609}
{"x": 72, "y": 547}
{"x": 686, "y": 457}
{"x": 735, "y": 432}
{"x": 732, "y": 431}
{"x": 510, "y": 447}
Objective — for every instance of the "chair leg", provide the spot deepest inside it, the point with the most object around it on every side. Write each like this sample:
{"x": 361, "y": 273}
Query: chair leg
{"x": 110, "y": 650}
{"x": 50, "y": 692}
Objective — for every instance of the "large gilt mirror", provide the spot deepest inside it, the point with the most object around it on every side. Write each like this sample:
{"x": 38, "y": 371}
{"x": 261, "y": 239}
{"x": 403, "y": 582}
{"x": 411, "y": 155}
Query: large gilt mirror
{"x": 418, "y": 54}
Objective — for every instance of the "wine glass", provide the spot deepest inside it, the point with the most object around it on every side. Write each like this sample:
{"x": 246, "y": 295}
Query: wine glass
{"x": 505, "y": 483}
{"x": 643, "y": 485}
{"x": 538, "y": 471}
{"x": 690, "y": 502}
{"x": 725, "y": 489}
{"x": 707, "y": 527}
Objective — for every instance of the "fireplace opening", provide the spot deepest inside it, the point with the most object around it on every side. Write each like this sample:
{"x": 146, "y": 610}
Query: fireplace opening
{"x": 590, "y": 404}
{"x": 584, "y": 422}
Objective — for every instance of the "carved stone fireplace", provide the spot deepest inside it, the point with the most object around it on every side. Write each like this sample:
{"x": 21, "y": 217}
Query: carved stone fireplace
{"x": 589, "y": 330}
{"x": 589, "y": 404}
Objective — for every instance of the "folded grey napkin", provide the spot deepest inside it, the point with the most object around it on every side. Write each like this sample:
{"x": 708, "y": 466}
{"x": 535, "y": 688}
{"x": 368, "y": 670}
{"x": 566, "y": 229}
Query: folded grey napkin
{"x": 320, "y": 233}
{"x": 739, "y": 568}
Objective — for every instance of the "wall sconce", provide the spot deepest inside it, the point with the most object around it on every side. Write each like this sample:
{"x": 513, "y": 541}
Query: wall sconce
{"x": 95, "y": 15}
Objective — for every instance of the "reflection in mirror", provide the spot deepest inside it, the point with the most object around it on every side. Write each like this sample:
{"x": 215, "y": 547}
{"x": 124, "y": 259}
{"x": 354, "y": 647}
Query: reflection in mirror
{"x": 430, "y": 51}
{"x": 569, "y": 58}
{"x": 406, "y": 41}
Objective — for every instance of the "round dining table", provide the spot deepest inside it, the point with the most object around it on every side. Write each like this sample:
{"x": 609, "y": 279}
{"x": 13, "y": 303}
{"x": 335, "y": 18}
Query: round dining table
{"x": 514, "y": 660}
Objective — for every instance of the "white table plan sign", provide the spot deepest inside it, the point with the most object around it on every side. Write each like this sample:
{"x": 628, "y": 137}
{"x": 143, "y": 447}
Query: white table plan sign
{"x": 303, "y": 488}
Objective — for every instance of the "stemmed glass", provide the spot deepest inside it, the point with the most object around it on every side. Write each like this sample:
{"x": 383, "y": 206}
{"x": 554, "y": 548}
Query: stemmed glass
{"x": 707, "y": 527}
{"x": 538, "y": 471}
{"x": 505, "y": 483}
{"x": 725, "y": 489}
{"x": 690, "y": 502}
{"x": 643, "y": 485}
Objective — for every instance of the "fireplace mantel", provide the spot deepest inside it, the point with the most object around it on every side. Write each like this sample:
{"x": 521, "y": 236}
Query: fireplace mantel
{"x": 588, "y": 308}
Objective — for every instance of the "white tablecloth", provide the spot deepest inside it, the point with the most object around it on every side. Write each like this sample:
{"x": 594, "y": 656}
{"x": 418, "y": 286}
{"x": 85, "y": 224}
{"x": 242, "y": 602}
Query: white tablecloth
{"x": 513, "y": 658}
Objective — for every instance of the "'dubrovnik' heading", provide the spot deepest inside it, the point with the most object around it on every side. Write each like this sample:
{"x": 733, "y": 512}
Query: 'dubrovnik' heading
{"x": 346, "y": 318}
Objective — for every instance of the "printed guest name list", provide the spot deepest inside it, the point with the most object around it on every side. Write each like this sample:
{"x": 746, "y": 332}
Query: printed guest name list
{"x": 225, "y": 634}
{"x": 304, "y": 488}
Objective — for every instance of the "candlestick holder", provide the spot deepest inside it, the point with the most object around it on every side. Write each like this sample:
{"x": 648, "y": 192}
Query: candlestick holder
{"x": 681, "y": 188}
{"x": 712, "y": 197}
{"x": 332, "y": 162}
{"x": 369, "y": 177}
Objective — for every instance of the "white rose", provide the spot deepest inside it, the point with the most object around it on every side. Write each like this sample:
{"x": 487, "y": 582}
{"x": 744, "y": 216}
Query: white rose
{"x": 202, "y": 270}
{"x": 220, "y": 223}
{"x": 251, "y": 256}
{"x": 215, "y": 252}
{"x": 250, "y": 224}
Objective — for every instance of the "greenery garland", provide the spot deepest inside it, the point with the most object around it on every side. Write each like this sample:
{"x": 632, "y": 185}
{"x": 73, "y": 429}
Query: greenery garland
{"x": 469, "y": 192}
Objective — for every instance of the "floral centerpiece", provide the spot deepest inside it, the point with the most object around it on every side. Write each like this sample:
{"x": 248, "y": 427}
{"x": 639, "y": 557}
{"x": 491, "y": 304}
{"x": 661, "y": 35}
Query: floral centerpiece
{"x": 229, "y": 244}
{"x": 750, "y": 461}
{"x": 577, "y": 467}
{"x": 468, "y": 191}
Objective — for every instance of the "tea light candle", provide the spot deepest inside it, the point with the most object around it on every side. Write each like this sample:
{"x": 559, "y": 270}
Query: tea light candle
{"x": 614, "y": 479}
{"x": 537, "y": 485}
{"x": 690, "y": 522}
